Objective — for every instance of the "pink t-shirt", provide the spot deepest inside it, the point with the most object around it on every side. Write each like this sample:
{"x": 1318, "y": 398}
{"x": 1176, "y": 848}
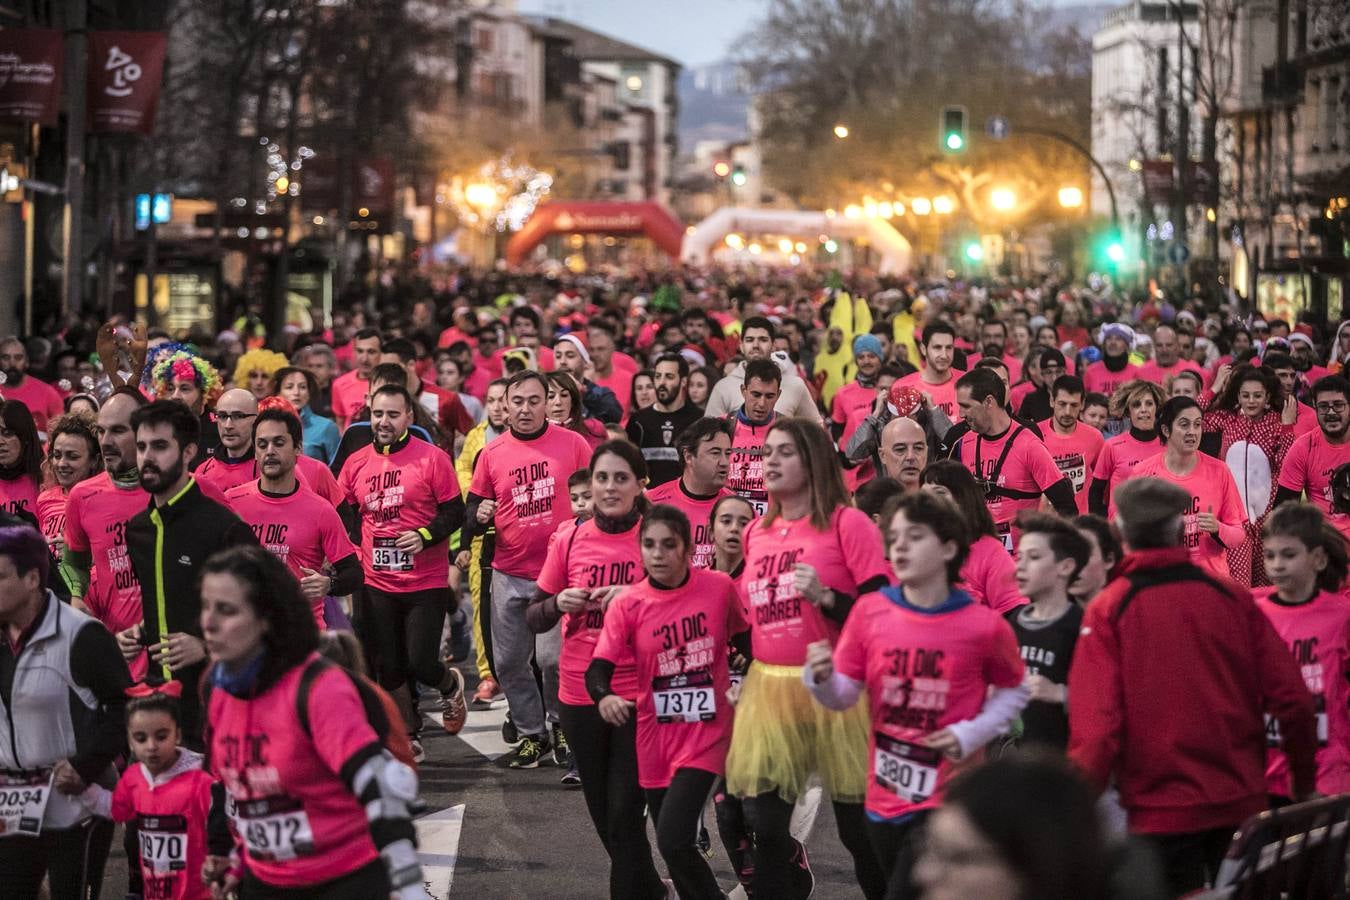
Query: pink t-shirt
{"x": 944, "y": 395}
{"x": 1019, "y": 393}
{"x": 528, "y": 479}
{"x": 1098, "y": 379}
{"x": 19, "y": 495}
{"x": 51, "y": 513}
{"x": 318, "y": 478}
{"x": 923, "y": 670}
{"x": 299, "y": 823}
{"x": 990, "y": 575}
{"x": 398, "y": 492}
{"x": 1075, "y": 455}
{"x": 1307, "y": 420}
{"x": 1156, "y": 374}
{"x": 846, "y": 556}
{"x": 1118, "y": 458}
{"x": 1318, "y": 634}
{"x": 699, "y": 512}
{"x": 172, "y": 818}
{"x": 1212, "y": 489}
{"x": 1309, "y": 465}
{"x": 586, "y": 557}
{"x": 349, "y": 395}
{"x": 42, "y": 400}
{"x": 302, "y": 530}
{"x": 678, "y": 637}
{"x": 1028, "y": 468}
{"x": 850, "y": 406}
{"x": 225, "y": 476}
{"x": 97, "y": 512}
{"x": 745, "y": 470}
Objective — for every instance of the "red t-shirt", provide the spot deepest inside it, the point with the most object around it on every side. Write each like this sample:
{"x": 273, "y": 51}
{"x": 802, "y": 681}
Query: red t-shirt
{"x": 42, "y": 400}
{"x": 1318, "y": 634}
{"x": 944, "y": 395}
{"x": 1309, "y": 465}
{"x": 398, "y": 492}
{"x": 745, "y": 470}
{"x": 1117, "y": 460}
{"x": 19, "y": 495}
{"x": 51, "y": 513}
{"x": 583, "y": 556}
{"x": 1028, "y": 467}
{"x": 678, "y": 638}
{"x": 699, "y": 512}
{"x": 171, "y": 819}
{"x": 847, "y": 555}
{"x": 1097, "y": 378}
{"x": 298, "y": 822}
{"x": 302, "y": 530}
{"x": 923, "y": 670}
{"x": 348, "y": 396}
{"x": 1212, "y": 489}
{"x": 1075, "y": 455}
{"x": 850, "y": 406}
{"x": 528, "y": 479}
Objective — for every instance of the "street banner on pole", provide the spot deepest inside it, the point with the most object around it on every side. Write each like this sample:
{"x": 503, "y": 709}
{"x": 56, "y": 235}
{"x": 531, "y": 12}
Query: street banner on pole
{"x": 125, "y": 68}
{"x": 30, "y": 75}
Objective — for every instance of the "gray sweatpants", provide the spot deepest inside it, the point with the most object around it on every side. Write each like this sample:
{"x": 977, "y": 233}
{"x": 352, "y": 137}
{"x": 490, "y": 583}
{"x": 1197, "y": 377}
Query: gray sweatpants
{"x": 512, "y": 646}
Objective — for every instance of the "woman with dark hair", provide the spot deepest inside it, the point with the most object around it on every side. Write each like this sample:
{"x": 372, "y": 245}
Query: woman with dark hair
{"x": 643, "y": 390}
{"x": 806, "y": 562}
{"x": 989, "y": 573}
{"x": 322, "y": 806}
{"x": 1217, "y": 520}
{"x": 72, "y": 456}
{"x": 701, "y": 381}
{"x": 300, "y": 387}
{"x": 1250, "y": 426}
{"x": 565, "y": 408}
{"x": 586, "y": 567}
{"x": 20, "y": 461}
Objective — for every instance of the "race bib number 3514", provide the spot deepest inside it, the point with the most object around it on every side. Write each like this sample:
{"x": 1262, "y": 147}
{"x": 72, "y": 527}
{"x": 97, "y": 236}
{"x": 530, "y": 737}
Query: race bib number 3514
{"x": 385, "y": 557}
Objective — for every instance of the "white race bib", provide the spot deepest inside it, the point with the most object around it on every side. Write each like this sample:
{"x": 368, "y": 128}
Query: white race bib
{"x": 687, "y": 697}
{"x": 910, "y": 771}
{"x": 1273, "y": 730}
{"x": 164, "y": 843}
{"x": 275, "y": 828}
{"x": 385, "y": 557}
{"x": 23, "y": 801}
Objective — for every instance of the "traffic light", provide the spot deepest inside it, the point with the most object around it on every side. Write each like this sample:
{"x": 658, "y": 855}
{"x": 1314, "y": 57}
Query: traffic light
{"x": 952, "y": 129}
{"x": 738, "y": 176}
{"x": 974, "y": 251}
{"x": 1115, "y": 251}
{"x": 721, "y": 168}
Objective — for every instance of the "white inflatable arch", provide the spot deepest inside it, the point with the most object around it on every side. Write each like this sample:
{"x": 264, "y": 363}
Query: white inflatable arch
{"x": 891, "y": 245}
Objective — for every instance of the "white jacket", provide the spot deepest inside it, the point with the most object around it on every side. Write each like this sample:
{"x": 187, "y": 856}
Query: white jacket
{"x": 795, "y": 399}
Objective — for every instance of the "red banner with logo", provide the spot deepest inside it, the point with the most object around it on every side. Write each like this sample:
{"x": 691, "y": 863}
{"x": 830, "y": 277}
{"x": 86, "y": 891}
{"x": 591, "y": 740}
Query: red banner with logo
{"x": 125, "y": 69}
{"x": 30, "y": 75}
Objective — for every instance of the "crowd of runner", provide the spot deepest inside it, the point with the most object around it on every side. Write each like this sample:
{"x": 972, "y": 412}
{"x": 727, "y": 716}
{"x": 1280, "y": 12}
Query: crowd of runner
{"x": 1044, "y": 589}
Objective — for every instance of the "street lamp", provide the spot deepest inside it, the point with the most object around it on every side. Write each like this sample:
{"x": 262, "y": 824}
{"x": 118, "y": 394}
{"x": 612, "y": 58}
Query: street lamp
{"x": 1070, "y": 197}
{"x": 481, "y": 196}
{"x": 943, "y": 205}
{"x": 841, "y": 131}
{"x": 1002, "y": 199}
{"x": 921, "y": 206}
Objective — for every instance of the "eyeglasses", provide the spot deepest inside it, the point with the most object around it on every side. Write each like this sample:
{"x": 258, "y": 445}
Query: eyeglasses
{"x": 1338, "y": 406}
{"x": 233, "y": 417}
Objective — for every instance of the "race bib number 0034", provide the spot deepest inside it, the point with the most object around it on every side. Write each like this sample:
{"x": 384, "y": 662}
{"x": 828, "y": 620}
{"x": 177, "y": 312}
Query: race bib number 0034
{"x": 687, "y": 697}
{"x": 23, "y": 801}
{"x": 910, "y": 771}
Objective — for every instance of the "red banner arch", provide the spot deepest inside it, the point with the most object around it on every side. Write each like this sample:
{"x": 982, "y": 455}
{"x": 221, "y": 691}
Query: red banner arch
{"x": 597, "y": 217}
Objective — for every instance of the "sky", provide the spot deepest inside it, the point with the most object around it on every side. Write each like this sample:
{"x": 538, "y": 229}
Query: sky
{"x": 692, "y": 32}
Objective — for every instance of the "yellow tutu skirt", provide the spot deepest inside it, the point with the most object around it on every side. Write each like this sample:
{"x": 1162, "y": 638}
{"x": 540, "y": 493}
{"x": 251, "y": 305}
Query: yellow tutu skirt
{"x": 782, "y": 736}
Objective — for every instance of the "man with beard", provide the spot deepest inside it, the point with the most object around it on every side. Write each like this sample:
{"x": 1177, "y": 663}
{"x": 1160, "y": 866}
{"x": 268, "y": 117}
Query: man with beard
{"x": 1074, "y": 445}
{"x": 42, "y": 399}
{"x": 1301, "y": 348}
{"x": 994, "y": 343}
{"x": 571, "y": 356}
{"x": 936, "y": 378}
{"x": 168, "y": 542}
{"x": 854, "y": 401}
{"x": 757, "y": 336}
{"x": 1115, "y": 367}
{"x": 656, "y": 429}
{"x": 705, "y": 451}
{"x": 349, "y": 389}
{"x": 1282, "y": 364}
{"x": 1314, "y": 457}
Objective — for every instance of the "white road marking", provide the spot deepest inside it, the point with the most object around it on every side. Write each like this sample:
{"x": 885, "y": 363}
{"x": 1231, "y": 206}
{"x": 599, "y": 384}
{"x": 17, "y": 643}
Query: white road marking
{"x": 438, "y": 843}
{"x": 482, "y": 730}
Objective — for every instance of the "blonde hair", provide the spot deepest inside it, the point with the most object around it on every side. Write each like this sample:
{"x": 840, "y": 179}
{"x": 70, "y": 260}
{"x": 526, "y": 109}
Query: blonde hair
{"x": 268, "y": 361}
{"x": 1130, "y": 391}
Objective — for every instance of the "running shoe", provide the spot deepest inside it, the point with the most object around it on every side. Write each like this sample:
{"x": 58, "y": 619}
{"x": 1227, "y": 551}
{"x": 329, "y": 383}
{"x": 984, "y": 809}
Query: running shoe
{"x": 529, "y": 752}
{"x": 562, "y": 754}
{"x": 801, "y": 871}
{"x": 453, "y": 710}
{"x": 571, "y": 778}
{"x": 509, "y": 733}
{"x": 418, "y": 753}
{"x": 487, "y": 693}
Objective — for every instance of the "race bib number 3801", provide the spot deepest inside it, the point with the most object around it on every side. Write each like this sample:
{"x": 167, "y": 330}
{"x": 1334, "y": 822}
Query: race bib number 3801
{"x": 910, "y": 771}
{"x": 23, "y": 801}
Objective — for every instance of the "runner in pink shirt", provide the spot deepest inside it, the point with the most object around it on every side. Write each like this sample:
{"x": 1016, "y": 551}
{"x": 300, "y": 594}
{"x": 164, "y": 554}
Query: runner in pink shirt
{"x": 1073, "y": 445}
{"x": 1138, "y": 401}
{"x": 943, "y": 674}
{"x": 676, "y": 625}
{"x": 1306, "y": 561}
{"x": 72, "y": 457}
{"x": 520, "y": 485}
{"x": 1007, "y": 459}
{"x": 349, "y": 389}
{"x": 20, "y": 460}
{"x": 315, "y": 797}
{"x": 750, "y": 425}
{"x": 1217, "y": 519}
{"x": 854, "y": 401}
{"x": 40, "y": 398}
{"x": 1115, "y": 369}
{"x": 936, "y": 378}
{"x": 989, "y": 574}
{"x": 1167, "y": 359}
{"x": 805, "y": 562}
{"x": 1315, "y": 456}
{"x": 408, "y": 502}
{"x": 705, "y": 451}
{"x": 296, "y": 525}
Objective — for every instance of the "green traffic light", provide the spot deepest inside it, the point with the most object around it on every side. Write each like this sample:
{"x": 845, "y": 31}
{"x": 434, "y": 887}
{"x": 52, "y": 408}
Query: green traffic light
{"x": 974, "y": 252}
{"x": 738, "y": 178}
{"x": 955, "y": 141}
{"x": 1115, "y": 251}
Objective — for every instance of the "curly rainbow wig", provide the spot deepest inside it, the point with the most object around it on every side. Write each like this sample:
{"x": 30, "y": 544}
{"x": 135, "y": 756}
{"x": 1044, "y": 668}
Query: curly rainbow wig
{"x": 178, "y": 361}
{"x": 268, "y": 361}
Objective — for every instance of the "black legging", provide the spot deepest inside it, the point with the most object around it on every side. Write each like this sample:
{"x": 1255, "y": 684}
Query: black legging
{"x": 897, "y": 847}
{"x": 368, "y": 881}
{"x": 406, "y": 629}
{"x": 606, "y": 759}
{"x": 72, "y": 859}
{"x": 677, "y": 811}
{"x": 736, "y": 828}
{"x": 774, "y": 847}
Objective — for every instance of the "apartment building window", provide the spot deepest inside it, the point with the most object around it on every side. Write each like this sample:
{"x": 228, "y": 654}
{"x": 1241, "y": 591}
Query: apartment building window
{"x": 1332, "y": 109}
{"x": 482, "y": 40}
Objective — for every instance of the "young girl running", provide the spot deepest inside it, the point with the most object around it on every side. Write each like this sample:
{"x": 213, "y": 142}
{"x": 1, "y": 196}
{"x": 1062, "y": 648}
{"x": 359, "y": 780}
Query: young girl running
{"x": 166, "y": 792}
{"x": 587, "y": 565}
{"x": 1305, "y": 558}
{"x": 989, "y": 572}
{"x": 928, "y": 656}
{"x": 805, "y": 563}
{"x": 675, "y": 624}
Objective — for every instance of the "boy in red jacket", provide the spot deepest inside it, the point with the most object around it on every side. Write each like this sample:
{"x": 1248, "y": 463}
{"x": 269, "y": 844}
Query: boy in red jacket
{"x": 1171, "y": 677}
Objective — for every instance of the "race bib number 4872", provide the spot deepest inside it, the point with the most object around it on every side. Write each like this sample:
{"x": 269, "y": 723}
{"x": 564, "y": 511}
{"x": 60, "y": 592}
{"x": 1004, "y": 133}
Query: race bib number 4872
{"x": 275, "y": 828}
